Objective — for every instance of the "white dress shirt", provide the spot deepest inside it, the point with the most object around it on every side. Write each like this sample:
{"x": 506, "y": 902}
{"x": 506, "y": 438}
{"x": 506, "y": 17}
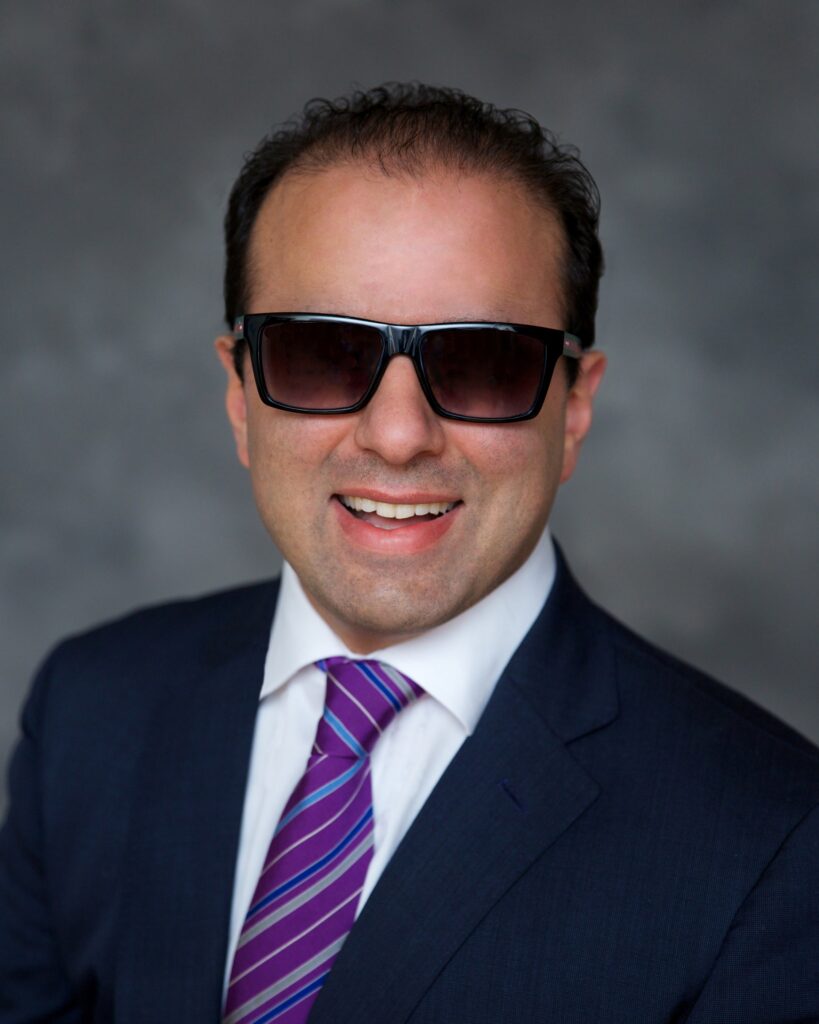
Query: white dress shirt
{"x": 457, "y": 663}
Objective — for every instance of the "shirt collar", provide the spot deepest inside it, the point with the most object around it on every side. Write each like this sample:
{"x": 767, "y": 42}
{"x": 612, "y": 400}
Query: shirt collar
{"x": 457, "y": 663}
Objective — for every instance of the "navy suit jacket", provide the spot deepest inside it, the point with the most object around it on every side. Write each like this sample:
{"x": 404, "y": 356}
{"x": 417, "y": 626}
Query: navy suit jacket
{"x": 621, "y": 839}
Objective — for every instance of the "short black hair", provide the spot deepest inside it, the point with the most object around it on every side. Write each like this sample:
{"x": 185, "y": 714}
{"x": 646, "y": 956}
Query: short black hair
{"x": 411, "y": 128}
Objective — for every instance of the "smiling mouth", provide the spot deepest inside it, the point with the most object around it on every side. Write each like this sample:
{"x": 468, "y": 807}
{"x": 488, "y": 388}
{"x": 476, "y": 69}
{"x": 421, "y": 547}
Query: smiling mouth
{"x": 386, "y": 516}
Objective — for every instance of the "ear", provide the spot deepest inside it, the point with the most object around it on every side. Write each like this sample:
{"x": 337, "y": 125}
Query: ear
{"x": 235, "y": 403}
{"x": 579, "y": 409}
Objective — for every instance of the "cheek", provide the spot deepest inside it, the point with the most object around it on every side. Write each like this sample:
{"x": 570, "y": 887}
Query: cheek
{"x": 520, "y": 468}
{"x": 284, "y": 475}
{"x": 287, "y": 451}
{"x": 518, "y": 457}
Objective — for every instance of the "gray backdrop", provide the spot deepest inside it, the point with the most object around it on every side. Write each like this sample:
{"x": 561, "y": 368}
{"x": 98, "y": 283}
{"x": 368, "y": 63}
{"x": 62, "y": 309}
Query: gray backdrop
{"x": 123, "y": 126}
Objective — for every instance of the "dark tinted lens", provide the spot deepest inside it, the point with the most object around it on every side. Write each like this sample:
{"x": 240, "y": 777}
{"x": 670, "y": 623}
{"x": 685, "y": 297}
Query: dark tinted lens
{"x": 317, "y": 365}
{"x": 484, "y": 372}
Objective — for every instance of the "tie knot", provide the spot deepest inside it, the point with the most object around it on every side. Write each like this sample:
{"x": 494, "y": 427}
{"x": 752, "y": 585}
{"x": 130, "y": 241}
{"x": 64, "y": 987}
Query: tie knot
{"x": 362, "y": 698}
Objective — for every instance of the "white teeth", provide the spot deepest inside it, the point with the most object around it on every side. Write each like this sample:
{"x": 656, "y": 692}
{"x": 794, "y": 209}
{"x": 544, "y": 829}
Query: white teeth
{"x": 389, "y": 511}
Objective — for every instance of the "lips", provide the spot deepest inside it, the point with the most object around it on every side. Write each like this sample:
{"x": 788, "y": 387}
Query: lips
{"x": 391, "y": 536}
{"x": 386, "y": 515}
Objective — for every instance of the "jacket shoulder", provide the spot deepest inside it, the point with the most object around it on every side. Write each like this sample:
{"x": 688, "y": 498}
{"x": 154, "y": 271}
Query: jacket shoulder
{"x": 705, "y": 693}
{"x": 187, "y": 629}
{"x": 110, "y": 677}
{"x": 710, "y": 730}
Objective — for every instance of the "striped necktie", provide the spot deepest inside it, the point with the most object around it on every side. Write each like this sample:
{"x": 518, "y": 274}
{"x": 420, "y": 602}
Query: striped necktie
{"x": 305, "y": 902}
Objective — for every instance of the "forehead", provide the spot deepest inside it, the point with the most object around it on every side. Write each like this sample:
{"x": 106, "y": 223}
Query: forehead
{"x": 350, "y": 239}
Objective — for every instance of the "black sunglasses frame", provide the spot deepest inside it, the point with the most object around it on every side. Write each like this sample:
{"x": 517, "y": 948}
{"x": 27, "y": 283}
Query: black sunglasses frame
{"x": 397, "y": 339}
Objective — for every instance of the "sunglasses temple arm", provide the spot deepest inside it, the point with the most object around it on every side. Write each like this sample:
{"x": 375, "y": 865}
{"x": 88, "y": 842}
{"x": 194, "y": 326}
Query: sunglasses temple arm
{"x": 572, "y": 346}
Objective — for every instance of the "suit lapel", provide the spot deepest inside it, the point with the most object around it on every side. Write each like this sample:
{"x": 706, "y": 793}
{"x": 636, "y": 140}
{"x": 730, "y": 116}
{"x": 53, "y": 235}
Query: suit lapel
{"x": 511, "y": 791}
{"x": 181, "y": 858}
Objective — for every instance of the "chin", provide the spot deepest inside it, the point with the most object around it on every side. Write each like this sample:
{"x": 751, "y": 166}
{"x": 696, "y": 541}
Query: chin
{"x": 386, "y": 616}
{"x": 391, "y": 621}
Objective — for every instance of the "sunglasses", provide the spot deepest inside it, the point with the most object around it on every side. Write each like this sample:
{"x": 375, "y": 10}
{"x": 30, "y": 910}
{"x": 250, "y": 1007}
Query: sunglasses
{"x": 480, "y": 372}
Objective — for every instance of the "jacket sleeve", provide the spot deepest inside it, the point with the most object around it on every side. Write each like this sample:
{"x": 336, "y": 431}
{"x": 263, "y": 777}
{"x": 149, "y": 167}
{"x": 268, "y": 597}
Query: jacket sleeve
{"x": 33, "y": 983}
{"x": 768, "y": 968}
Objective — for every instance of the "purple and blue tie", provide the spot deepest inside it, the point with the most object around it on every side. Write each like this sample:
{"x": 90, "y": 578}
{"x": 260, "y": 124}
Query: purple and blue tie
{"x": 305, "y": 902}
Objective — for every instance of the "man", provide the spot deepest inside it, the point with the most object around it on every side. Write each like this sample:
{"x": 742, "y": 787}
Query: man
{"x": 423, "y": 778}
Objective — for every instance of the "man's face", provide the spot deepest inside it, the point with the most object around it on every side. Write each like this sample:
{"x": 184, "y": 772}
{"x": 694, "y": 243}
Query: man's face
{"x": 351, "y": 241}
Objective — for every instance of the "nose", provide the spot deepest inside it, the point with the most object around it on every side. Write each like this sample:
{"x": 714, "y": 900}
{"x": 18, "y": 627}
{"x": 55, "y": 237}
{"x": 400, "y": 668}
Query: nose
{"x": 398, "y": 423}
